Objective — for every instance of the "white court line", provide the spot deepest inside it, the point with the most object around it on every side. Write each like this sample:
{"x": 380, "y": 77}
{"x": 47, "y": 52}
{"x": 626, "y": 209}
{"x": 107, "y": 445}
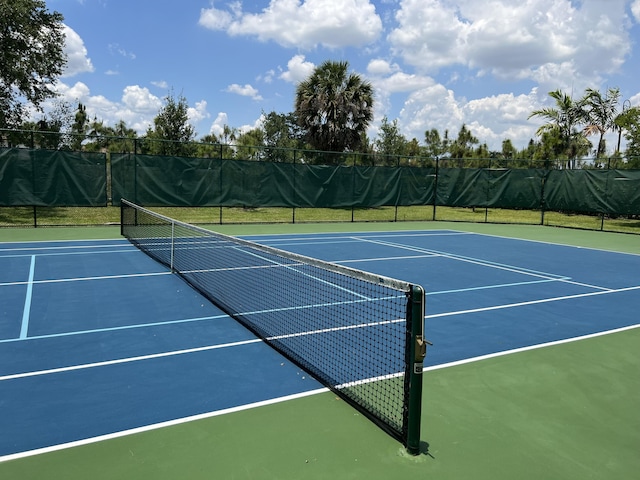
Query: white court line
{"x": 475, "y": 261}
{"x": 527, "y": 349}
{"x": 334, "y": 329}
{"x": 155, "y": 426}
{"x": 386, "y": 259}
{"x": 116, "y": 329}
{"x": 533, "y": 302}
{"x": 66, "y": 247}
{"x": 63, "y": 254}
{"x": 126, "y": 360}
{"x": 24, "y": 328}
{"x": 84, "y": 279}
{"x": 188, "y": 320}
{"x": 484, "y": 263}
{"x": 304, "y": 274}
{"x": 557, "y": 244}
{"x": 153, "y": 356}
{"x": 250, "y": 406}
{"x": 316, "y": 239}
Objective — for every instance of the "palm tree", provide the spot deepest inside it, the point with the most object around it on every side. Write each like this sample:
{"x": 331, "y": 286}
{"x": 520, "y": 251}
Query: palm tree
{"x": 601, "y": 113}
{"x": 334, "y": 108}
{"x": 563, "y": 121}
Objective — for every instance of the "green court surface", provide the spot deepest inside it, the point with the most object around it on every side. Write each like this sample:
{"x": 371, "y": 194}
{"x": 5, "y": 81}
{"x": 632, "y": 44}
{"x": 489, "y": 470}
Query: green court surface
{"x": 567, "y": 411}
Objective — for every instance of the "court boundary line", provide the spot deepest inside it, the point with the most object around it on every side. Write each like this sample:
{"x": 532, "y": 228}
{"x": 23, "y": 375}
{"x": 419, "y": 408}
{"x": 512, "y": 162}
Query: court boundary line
{"x": 472, "y": 260}
{"x": 304, "y": 274}
{"x": 426, "y": 369}
{"x": 249, "y": 406}
{"x": 85, "y": 279}
{"x": 534, "y": 302}
{"x": 453, "y": 232}
{"x": 490, "y": 264}
{"x": 118, "y": 361}
{"x": 346, "y": 235}
{"x": 434, "y": 315}
{"x": 424, "y": 232}
{"x": 205, "y": 348}
{"x": 116, "y": 329}
{"x": 67, "y": 247}
{"x": 557, "y": 244}
{"x": 530, "y": 348}
{"x": 62, "y": 254}
{"x": 157, "y": 426}
{"x": 26, "y": 312}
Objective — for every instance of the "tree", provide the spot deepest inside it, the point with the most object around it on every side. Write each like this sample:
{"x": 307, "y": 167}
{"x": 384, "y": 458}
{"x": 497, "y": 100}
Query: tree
{"x": 250, "y": 145}
{"x": 208, "y": 147}
{"x": 390, "y": 143}
{"x": 50, "y": 131}
{"x": 172, "y": 132}
{"x": 462, "y": 146}
{"x": 281, "y": 136}
{"x": 601, "y": 112}
{"x": 620, "y": 121}
{"x": 564, "y": 121}
{"x": 508, "y": 150}
{"x": 117, "y": 139}
{"x": 228, "y": 134}
{"x": 31, "y": 56}
{"x": 79, "y": 127}
{"x": 334, "y": 108}
{"x": 436, "y": 147}
{"x": 629, "y": 122}
{"x": 227, "y": 137}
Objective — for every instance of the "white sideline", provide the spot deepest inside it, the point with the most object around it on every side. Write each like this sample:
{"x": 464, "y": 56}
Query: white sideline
{"x": 179, "y": 421}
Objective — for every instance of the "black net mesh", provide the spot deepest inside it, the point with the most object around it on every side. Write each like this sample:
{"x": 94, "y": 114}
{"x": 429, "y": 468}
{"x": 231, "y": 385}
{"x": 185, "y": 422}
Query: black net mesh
{"x": 347, "y": 328}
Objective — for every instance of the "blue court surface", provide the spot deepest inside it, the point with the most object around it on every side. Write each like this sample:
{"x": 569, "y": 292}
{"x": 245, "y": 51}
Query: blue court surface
{"x": 96, "y": 338}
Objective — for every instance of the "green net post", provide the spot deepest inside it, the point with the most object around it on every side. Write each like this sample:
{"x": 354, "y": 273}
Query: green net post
{"x": 417, "y": 352}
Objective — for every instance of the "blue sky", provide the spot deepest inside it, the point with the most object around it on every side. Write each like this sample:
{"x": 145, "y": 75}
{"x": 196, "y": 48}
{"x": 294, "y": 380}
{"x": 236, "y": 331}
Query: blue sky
{"x": 433, "y": 63}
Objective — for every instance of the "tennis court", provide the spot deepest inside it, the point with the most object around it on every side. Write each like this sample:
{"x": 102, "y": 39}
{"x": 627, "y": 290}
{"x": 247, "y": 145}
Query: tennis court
{"x": 112, "y": 365}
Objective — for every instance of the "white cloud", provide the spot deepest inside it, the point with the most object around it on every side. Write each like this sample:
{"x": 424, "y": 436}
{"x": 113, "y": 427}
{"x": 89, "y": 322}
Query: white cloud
{"x": 401, "y": 82}
{"x": 214, "y": 18}
{"x": 222, "y": 120}
{"x": 137, "y": 114}
{"x": 514, "y": 39}
{"x": 267, "y": 77}
{"x": 140, "y": 99}
{"x": 160, "y": 84}
{"x": 635, "y": 9}
{"x": 635, "y": 100}
{"x": 217, "y": 127}
{"x": 491, "y": 119}
{"x": 429, "y": 34}
{"x": 76, "y": 52}
{"x": 431, "y": 107}
{"x": 77, "y": 92}
{"x": 388, "y": 80}
{"x": 297, "y": 69}
{"x": 116, "y": 49}
{"x": 199, "y": 112}
{"x": 257, "y": 124}
{"x": 244, "y": 91}
{"x": 378, "y": 66}
{"x": 301, "y": 24}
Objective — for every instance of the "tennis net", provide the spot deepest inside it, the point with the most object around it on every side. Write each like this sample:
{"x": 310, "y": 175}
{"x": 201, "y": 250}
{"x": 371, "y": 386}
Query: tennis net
{"x": 359, "y": 334}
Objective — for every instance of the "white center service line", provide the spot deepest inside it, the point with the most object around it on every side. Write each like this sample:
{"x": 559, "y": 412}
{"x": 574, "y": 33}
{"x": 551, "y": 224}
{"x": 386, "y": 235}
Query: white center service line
{"x": 24, "y": 329}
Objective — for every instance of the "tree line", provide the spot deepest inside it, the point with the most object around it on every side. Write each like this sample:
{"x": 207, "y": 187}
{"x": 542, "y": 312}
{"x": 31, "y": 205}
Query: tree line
{"x": 333, "y": 110}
